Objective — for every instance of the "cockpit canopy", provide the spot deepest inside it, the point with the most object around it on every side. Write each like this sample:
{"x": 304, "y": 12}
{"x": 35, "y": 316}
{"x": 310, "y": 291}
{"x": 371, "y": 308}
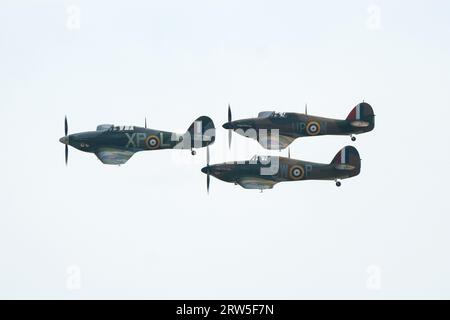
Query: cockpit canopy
{"x": 104, "y": 127}
{"x": 271, "y": 114}
{"x": 110, "y": 127}
{"x": 123, "y": 128}
{"x": 265, "y": 114}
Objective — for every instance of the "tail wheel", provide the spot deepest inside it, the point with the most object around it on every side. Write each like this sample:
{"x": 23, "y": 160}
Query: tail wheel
{"x": 152, "y": 142}
{"x": 296, "y": 173}
{"x": 313, "y": 128}
{"x": 338, "y": 183}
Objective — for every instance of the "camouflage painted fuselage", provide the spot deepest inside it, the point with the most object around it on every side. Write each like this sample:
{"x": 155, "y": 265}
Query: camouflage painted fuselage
{"x": 116, "y": 144}
{"x": 134, "y": 140}
{"x": 265, "y": 172}
{"x": 277, "y": 130}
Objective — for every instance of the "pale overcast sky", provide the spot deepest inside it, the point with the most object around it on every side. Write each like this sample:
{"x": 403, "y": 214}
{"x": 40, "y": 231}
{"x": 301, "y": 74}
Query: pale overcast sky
{"x": 148, "y": 229}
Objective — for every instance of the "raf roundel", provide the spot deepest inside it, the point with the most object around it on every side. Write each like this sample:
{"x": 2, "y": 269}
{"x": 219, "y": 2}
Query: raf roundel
{"x": 313, "y": 128}
{"x": 297, "y": 172}
{"x": 152, "y": 142}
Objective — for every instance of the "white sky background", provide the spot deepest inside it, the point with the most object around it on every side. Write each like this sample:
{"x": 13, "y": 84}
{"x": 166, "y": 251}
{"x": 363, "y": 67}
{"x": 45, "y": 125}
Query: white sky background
{"x": 148, "y": 229}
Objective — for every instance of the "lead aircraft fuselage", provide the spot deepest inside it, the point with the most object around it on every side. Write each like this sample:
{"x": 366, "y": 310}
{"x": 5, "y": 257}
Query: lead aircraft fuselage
{"x": 117, "y": 144}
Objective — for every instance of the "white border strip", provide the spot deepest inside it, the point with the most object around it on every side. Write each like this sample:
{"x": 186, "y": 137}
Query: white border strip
{"x": 343, "y": 155}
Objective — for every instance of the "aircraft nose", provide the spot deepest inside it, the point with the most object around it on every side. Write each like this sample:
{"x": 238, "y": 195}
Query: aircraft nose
{"x": 228, "y": 125}
{"x": 64, "y": 140}
{"x": 213, "y": 169}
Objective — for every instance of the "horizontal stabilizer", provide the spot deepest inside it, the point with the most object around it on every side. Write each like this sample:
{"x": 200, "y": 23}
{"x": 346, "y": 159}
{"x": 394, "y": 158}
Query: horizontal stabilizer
{"x": 344, "y": 166}
{"x": 359, "y": 124}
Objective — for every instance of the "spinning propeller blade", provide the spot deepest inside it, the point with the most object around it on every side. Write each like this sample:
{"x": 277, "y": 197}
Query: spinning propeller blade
{"x": 67, "y": 154}
{"x": 208, "y": 178}
{"x": 66, "y": 131}
{"x": 230, "y": 132}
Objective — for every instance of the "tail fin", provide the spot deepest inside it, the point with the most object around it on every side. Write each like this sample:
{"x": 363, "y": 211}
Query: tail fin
{"x": 201, "y": 132}
{"x": 362, "y": 116}
{"x": 347, "y": 159}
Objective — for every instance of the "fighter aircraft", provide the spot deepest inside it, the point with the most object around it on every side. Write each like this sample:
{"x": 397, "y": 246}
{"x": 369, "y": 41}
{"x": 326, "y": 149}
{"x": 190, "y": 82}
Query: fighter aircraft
{"x": 115, "y": 145}
{"x": 294, "y": 125}
{"x": 263, "y": 172}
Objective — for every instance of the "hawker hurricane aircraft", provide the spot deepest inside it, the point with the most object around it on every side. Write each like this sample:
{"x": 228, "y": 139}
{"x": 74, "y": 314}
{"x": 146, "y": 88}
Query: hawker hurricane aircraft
{"x": 265, "y": 172}
{"x": 116, "y": 144}
{"x": 274, "y": 130}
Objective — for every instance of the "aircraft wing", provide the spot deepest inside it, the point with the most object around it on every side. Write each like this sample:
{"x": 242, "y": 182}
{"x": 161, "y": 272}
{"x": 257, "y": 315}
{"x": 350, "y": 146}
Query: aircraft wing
{"x": 114, "y": 156}
{"x": 283, "y": 142}
{"x": 255, "y": 183}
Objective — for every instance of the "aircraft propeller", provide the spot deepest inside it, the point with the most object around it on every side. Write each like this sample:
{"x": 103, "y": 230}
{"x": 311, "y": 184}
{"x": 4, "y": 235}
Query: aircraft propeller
{"x": 208, "y": 178}
{"x": 66, "y": 131}
{"x": 230, "y": 131}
